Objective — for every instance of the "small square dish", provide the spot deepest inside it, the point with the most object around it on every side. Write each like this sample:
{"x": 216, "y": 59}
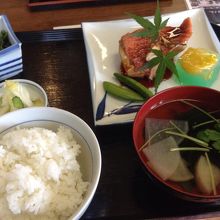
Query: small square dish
{"x": 10, "y": 56}
{"x": 102, "y": 48}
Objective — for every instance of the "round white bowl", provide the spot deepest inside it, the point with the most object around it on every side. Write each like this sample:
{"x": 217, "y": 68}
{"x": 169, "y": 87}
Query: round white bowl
{"x": 34, "y": 89}
{"x": 51, "y": 118}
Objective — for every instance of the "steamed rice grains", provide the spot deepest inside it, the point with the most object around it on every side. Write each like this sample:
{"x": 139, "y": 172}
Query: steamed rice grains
{"x": 40, "y": 174}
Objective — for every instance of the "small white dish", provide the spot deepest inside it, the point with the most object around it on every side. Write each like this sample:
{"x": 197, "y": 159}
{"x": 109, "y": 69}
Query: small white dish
{"x": 35, "y": 90}
{"x": 52, "y": 118}
{"x": 11, "y": 55}
{"x": 102, "y": 43}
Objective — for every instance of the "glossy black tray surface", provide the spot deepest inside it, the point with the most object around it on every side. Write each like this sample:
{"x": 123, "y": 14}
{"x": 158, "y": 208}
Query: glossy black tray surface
{"x": 57, "y": 61}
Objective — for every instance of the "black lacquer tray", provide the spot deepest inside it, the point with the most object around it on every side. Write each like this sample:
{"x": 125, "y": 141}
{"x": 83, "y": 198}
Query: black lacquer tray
{"x": 57, "y": 61}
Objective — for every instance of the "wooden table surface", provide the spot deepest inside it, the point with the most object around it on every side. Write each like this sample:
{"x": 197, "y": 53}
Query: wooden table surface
{"x": 24, "y": 19}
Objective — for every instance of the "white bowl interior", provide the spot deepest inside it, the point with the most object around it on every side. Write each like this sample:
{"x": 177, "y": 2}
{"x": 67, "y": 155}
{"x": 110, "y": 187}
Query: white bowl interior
{"x": 51, "y": 118}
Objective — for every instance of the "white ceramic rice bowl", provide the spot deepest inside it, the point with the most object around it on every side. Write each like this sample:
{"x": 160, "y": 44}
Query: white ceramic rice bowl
{"x": 51, "y": 118}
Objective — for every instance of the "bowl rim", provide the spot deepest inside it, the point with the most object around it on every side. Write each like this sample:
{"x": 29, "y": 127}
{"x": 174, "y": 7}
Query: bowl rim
{"x": 45, "y": 113}
{"x": 186, "y": 195}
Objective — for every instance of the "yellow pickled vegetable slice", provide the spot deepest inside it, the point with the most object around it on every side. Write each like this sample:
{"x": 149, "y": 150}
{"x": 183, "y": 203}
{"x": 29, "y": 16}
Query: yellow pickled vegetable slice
{"x": 37, "y": 102}
{"x": 195, "y": 60}
{"x": 4, "y": 109}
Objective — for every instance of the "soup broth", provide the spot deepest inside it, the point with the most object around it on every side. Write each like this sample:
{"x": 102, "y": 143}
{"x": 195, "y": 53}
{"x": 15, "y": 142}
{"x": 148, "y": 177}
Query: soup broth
{"x": 199, "y": 148}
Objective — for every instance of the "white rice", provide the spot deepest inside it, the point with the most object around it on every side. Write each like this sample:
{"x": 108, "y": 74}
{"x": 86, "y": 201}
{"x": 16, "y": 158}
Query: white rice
{"x": 40, "y": 177}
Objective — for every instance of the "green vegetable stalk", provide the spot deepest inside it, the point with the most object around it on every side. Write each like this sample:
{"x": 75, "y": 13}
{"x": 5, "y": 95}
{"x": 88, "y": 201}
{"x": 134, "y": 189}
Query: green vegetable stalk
{"x": 122, "y": 92}
{"x": 134, "y": 84}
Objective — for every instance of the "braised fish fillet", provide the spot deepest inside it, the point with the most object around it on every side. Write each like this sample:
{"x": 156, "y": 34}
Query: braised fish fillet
{"x": 136, "y": 51}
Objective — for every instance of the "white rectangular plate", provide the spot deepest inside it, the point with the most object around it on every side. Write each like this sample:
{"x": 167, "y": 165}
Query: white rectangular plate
{"x": 102, "y": 43}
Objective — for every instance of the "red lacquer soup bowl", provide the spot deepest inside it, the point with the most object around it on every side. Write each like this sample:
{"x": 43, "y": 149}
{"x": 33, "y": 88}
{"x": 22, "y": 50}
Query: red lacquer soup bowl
{"x": 170, "y": 104}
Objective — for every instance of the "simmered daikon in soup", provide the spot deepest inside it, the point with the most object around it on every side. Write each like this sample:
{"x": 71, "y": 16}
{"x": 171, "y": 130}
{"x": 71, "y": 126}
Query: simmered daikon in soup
{"x": 184, "y": 149}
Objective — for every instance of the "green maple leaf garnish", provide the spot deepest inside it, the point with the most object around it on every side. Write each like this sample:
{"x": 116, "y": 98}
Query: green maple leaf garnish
{"x": 150, "y": 29}
{"x": 163, "y": 62}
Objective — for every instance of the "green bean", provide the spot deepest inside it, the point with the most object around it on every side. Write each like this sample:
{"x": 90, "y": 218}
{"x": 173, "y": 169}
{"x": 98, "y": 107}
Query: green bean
{"x": 121, "y": 92}
{"x": 134, "y": 84}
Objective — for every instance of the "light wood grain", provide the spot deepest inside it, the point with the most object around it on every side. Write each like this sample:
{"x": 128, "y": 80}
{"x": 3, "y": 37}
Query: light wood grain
{"x": 23, "y": 19}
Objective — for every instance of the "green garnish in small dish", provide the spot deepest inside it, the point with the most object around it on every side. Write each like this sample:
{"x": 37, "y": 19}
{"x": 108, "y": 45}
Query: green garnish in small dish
{"x": 17, "y": 102}
{"x": 4, "y": 40}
